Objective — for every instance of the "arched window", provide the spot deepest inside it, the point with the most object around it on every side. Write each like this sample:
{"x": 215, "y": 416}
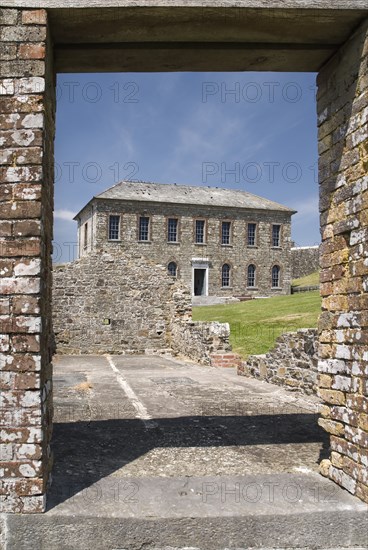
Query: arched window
{"x": 172, "y": 269}
{"x": 251, "y": 275}
{"x": 225, "y": 275}
{"x": 275, "y": 276}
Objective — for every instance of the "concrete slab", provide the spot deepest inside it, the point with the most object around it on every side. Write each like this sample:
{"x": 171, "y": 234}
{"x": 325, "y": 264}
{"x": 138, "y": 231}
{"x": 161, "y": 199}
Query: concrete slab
{"x": 189, "y": 35}
{"x": 156, "y": 453}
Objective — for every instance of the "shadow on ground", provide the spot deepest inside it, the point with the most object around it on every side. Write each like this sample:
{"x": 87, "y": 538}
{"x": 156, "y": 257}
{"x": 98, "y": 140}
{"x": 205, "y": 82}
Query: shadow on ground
{"x": 87, "y": 451}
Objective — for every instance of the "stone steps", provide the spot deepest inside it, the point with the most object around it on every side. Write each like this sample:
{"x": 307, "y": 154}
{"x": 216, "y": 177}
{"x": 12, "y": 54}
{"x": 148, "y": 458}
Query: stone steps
{"x": 206, "y": 513}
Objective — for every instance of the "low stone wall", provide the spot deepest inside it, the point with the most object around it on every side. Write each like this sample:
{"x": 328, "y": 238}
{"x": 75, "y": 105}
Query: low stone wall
{"x": 304, "y": 260}
{"x": 199, "y": 340}
{"x": 104, "y": 303}
{"x": 292, "y": 362}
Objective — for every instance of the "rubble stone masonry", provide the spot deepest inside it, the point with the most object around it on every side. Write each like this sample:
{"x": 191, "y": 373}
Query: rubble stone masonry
{"x": 304, "y": 260}
{"x": 123, "y": 303}
{"x": 26, "y": 201}
{"x": 291, "y": 363}
{"x": 343, "y": 350}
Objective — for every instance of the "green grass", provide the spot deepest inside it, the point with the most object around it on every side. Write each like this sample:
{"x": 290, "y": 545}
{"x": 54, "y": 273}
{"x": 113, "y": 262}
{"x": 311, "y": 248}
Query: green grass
{"x": 256, "y": 324}
{"x": 308, "y": 280}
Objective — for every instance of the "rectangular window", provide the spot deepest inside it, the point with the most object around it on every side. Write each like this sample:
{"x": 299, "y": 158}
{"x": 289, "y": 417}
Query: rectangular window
{"x": 114, "y": 224}
{"x": 275, "y": 276}
{"x": 144, "y": 228}
{"x": 85, "y": 235}
{"x": 276, "y": 235}
{"x": 251, "y": 275}
{"x": 225, "y": 278}
{"x": 252, "y": 234}
{"x": 199, "y": 231}
{"x": 172, "y": 230}
{"x": 225, "y": 232}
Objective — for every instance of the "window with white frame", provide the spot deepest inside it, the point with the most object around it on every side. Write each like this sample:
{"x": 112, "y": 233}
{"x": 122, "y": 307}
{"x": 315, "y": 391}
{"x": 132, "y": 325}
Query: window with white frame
{"x": 225, "y": 275}
{"x": 275, "y": 276}
{"x": 225, "y": 232}
{"x": 252, "y": 228}
{"x": 172, "y": 230}
{"x": 276, "y": 231}
{"x": 144, "y": 222}
{"x": 114, "y": 228}
{"x": 200, "y": 231}
{"x": 251, "y": 282}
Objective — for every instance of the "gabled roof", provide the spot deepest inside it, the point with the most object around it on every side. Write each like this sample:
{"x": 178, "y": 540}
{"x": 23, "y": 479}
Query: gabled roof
{"x": 185, "y": 194}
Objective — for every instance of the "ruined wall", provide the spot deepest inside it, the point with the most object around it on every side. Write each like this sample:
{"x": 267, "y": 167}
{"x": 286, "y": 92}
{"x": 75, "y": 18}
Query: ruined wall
{"x": 27, "y": 107}
{"x": 130, "y": 294}
{"x": 195, "y": 339}
{"x": 291, "y": 363}
{"x": 105, "y": 303}
{"x": 304, "y": 260}
{"x": 343, "y": 165}
{"x": 199, "y": 340}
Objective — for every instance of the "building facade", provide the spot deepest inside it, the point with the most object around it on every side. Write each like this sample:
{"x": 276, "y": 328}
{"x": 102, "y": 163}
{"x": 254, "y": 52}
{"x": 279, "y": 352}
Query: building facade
{"x": 220, "y": 242}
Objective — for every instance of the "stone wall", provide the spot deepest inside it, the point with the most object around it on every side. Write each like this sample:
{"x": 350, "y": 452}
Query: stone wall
{"x": 304, "y": 260}
{"x": 199, "y": 340}
{"x": 27, "y": 110}
{"x": 343, "y": 165}
{"x": 291, "y": 363}
{"x": 105, "y": 303}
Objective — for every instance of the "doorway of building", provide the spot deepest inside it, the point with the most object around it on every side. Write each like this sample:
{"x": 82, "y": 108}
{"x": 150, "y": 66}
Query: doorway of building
{"x": 200, "y": 282}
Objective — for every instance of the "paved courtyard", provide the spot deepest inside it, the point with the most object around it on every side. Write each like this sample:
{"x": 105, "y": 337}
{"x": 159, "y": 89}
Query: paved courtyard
{"x": 151, "y": 416}
{"x": 151, "y": 452}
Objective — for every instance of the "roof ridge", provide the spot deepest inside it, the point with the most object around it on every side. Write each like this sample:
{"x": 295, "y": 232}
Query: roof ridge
{"x": 177, "y": 193}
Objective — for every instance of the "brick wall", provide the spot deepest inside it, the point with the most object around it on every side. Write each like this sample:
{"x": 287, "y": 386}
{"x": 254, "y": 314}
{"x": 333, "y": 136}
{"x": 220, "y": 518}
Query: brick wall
{"x": 26, "y": 195}
{"x": 26, "y": 148}
{"x": 343, "y": 166}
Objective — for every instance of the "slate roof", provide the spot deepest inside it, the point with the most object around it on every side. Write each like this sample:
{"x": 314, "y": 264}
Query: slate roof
{"x": 185, "y": 194}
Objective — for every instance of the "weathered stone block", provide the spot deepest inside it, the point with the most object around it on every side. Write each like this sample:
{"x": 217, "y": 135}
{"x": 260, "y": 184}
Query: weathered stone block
{"x": 333, "y": 397}
{"x": 34, "y": 17}
{"x": 32, "y": 51}
{"x": 25, "y": 343}
{"x": 22, "y": 67}
{"x": 8, "y": 16}
{"x": 22, "y": 34}
{"x": 334, "y": 428}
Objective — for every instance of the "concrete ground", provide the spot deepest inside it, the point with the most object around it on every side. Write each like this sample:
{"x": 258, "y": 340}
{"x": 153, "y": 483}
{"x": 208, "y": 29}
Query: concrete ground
{"x": 212, "y": 300}
{"x": 151, "y": 452}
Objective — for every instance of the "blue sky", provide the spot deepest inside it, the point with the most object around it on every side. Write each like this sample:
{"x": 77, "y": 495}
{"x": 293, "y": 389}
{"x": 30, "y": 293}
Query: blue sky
{"x": 250, "y": 131}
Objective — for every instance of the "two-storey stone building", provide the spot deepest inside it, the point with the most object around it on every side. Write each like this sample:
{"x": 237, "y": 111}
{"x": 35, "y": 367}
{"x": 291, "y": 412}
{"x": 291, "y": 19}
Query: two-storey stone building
{"x": 220, "y": 242}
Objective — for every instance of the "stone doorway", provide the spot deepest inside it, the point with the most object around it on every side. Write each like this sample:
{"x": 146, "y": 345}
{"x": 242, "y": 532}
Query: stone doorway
{"x": 200, "y": 278}
{"x": 284, "y": 38}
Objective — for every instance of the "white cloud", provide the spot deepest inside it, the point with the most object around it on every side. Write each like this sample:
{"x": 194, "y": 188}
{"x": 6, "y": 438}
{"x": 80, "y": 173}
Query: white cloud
{"x": 306, "y": 209}
{"x": 66, "y": 215}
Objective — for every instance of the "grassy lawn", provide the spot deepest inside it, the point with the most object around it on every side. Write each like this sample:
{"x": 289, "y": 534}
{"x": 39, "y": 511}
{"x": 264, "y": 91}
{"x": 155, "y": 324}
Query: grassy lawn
{"x": 256, "y": 324}
{"x": 308, "y": 280}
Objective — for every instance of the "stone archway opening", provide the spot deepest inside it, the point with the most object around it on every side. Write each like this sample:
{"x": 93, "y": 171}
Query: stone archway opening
{"x": 38, "y": 42}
